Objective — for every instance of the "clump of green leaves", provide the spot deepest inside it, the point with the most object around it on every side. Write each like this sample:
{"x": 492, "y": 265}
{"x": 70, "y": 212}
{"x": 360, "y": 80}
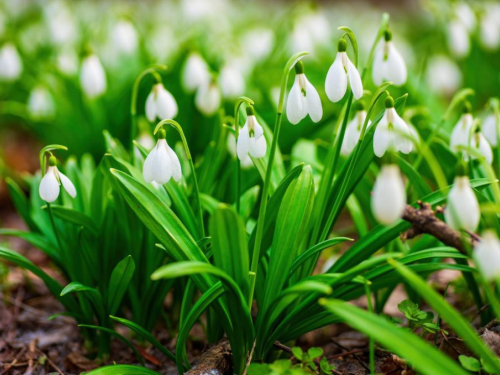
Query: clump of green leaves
{"x": 474, "y": 365}
{"x": 418, "y": 318}
{"x": 305, "y": 363}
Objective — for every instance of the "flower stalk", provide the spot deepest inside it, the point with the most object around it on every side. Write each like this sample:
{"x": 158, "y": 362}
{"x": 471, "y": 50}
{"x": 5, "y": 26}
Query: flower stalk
{"x": 265, "y": 191}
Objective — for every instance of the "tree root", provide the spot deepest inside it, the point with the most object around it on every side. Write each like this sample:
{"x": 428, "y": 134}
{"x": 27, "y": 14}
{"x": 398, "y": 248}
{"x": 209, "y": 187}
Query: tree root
{"x": 217, "y": 360}
{"x": 423, "y": 220}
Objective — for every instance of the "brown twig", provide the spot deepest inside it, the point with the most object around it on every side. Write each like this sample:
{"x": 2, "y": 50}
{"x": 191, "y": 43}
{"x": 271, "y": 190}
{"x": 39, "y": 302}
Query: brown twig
{"x": 423, "y": 220}
{"x": 345, "y": 349}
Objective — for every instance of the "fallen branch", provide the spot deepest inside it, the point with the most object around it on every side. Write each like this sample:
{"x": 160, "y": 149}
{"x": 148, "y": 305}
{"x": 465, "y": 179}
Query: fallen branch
{"x": 423, "y": 220}
{"x": 216, "y": 360}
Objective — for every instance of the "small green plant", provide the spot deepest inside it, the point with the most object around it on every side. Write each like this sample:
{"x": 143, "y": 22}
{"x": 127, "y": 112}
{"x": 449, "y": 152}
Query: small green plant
{"x": 418, "y": 318}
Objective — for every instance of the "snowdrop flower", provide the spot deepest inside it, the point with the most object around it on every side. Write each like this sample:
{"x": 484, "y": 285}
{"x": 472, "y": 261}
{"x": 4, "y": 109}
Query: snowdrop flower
{"x": 388, "y": 64}
{"x": 462, "y": 211}
{"x": 259, "y": 43}
{"x": 251, "y": 140}
{"x": 41, "y": 103}
{"x": 341, "y": 71}
{"x": 67, "y": 62}
{"x": 231, "y": 81}
{"x": 388, "y": 196}
{"x": 392, "y": 132}
{"x": 459, "y": 29}
{"x": 303, "y": 99}
{"x": 162, "y": 163}
{"x": 208, "y": 98}
{"x": 246, "y": 162}
{"x": 11, "y": 65}
{"x": 310, "y": 32}
{"x": 61, "y": 23}
{"x": 490, "y": 129}
{"x": 353, "y": 130}
{"x": 93, "y": 77}
{"x": 462, "y": 131}
{"x": 443, "y": 75}
{"x": 160, "y": 104}
{"x": 50, "y": 185}
{"x": 480, "y": 143}
{"x": 195, "y": 73}
{"x": 124, "y": 37}
{"x": 490, "y": 27}
{"x": 487, "y": 255}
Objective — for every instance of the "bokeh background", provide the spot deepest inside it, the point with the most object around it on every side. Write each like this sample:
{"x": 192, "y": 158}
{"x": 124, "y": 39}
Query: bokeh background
{"x": 446, "y": 44}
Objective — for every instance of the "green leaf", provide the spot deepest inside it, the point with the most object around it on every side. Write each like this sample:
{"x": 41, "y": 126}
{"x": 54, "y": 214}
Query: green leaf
{"x": 315, "y": 353}
{"x": 93, "y": 295}
{"x": 469, "y": 363}
{"x": 229, "y": 244}
{"x": 21, "y": 203}
{"x": 297, "y": 353}
{"x": 425, "y": 358}
{"x": 35, "y": 239}
{"x": 145, "y": 335}
{"x": 119, "y": 282}
{"x": 74, "y": 217}
{"x": 448, "y": 314}
{"x": 123, "y": 370}
{"x": 52, "y": 285}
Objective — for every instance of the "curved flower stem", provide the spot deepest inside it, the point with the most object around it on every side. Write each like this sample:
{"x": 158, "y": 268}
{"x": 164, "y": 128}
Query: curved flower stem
{"x": 265, "y": 190}
{"x": 52, "y": 222}
{"x": 135, "y": 92}
{"x": 43, "y": 151}
{"x": 196, "y": 191}
{"x": 237, "y": 105}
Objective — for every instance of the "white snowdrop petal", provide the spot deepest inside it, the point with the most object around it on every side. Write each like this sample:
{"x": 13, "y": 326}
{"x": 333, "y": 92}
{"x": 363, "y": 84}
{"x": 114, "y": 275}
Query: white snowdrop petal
{"x": 382, "y": 137}
{"x": 396, "y": 67}
{"x": 258, "y": 147}
{"x": 487, "y": 255}
{"x": 351, "y": 136}
{"x": 485, "y": 148}
{"x": 242, "y": 144}
{"x": 176, "y": 165}
{"x": 489, "y": 130}
{"x": 378, "y": 68}
{"x": 147, "y": 169}
{"x": 462, "y": 211}
{"x": 162, "y": 168}
{"x": 313, "y": 102}
{"x": 389, "y": 196}
{"x": 295, "y": 106}
{"x": 336, "y": 80}
{"x": 165, "y": 104}
{"x": 354, "y": 80}
{"x": 151, "y": 106}
{"x": 93, "y": 77}
{"x": 68, "y": 185}
{"x": 49, "y": 186}
{"x": 208, "y": 99}
{"x": 403, "y": 136}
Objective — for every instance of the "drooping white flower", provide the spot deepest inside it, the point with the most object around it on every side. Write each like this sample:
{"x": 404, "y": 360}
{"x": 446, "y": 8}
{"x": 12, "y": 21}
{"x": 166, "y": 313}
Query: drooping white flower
{"x": 67, "y": 62}
{"x": 490, "y": 26}
{"x": 388, "y": 64}
{"x": 490, "y": 129}
{"x": 195, "y": 73}
{"x": 251, "y": 140}
{"x": 50, "y": 185}
{"x": 124, "y": 37}
{"x": 231, "y": 81}
{"x": 388, "y": 195}
{"x": 458, "y": 38}
{"x": 392, "y": 132}
{"x": 208, "y": 98}
{"x": 61, "y": 23}
{"x": 40, "y": 103}
{"x": 353, "y": 131}
{"x": 487, "y": 255}
{"x": 11, "y": 65}
{"x": 462, "y": 211}
{"x": 443, "y": 75}
{"x": 162, "y": 162}
{"x": 461, "y": 134}
{"x": 479, "y": 142}
{"x": 247, "y": 162}
{"x": 93, "y": 77}
{"x": 303, "y": 98}
{"x": 160, "y": 104}
{"x": 258, "y": 43}
{"x": 340, "y": 73}
{"x": 309, "y": 32}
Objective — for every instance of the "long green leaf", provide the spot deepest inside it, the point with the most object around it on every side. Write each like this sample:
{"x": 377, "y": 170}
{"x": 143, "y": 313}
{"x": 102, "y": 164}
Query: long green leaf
{"x": 74, "y": 217}
{"x": 119, "y": 282}
{"x": 425, "y": 358}
{"x": 123, "y": 370}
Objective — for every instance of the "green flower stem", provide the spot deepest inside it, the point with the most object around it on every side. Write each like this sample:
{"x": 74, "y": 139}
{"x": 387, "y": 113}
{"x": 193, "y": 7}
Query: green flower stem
{"x": 135, "y": 92}
{"x": 263, "y": 205}
{"x": 197, "y": 201}
{"x": 52, "y": 222}
{"x": 371, "y": 342}
{"x": 495, "y": 106}
{"x": 237, "y": 106}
